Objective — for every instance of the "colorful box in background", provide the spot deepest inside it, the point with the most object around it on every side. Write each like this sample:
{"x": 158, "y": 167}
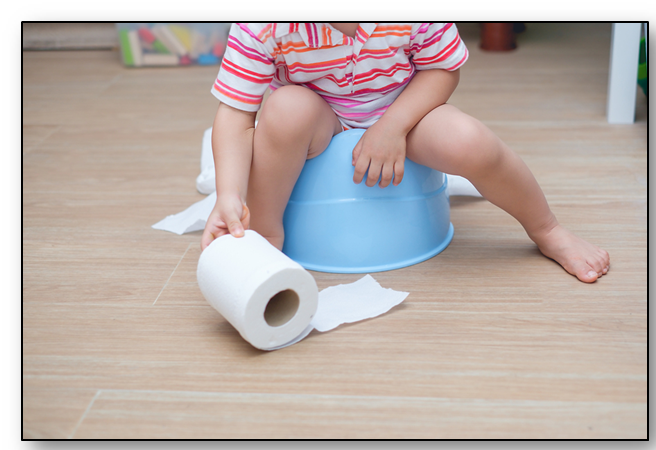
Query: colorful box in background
{"x": 172, "y": 44}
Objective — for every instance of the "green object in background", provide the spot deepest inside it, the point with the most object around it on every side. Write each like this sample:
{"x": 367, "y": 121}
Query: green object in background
{"x": 642, "y": 67}
{"x": 128, "y": 60}
{"x": 159, "y": 47}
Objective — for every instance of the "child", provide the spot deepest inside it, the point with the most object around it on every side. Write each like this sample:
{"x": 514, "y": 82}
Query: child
{"x": 395, "y": 81}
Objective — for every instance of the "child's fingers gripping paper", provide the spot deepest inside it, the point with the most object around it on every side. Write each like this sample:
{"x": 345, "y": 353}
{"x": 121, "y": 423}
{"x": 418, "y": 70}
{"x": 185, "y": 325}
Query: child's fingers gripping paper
{"x": 236, "y": 223}
{"x": 219, "y": 224}
{"x": 214, "y": 228}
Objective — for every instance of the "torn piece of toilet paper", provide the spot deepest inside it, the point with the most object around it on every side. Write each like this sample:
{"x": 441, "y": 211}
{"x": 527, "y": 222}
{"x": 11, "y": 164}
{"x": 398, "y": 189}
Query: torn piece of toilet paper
{"x": 191, "y": 219}
{"x": 348, "y": 303}
{"x": 457, "y": 185}
{"x": 195, "y": 217}
{"x": 205, "y": 181}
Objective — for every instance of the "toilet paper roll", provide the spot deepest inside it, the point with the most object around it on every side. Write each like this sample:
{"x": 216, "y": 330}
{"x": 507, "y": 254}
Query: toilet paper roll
{"x": 266, "y": 296}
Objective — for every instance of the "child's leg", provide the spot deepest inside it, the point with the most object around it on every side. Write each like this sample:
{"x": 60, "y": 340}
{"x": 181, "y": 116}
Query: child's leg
{"x": 295, "y": 124}
{"x": 450, "y": 141}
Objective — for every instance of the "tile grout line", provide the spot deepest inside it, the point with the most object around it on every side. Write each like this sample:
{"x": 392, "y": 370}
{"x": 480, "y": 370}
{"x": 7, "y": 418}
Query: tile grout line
{"x": 48, "y": 135}
{"x": 200, "y": 394}
{"x": 176, "y": 268}
{"x": 86, "y": 411}
{"x": 42, "y": 140}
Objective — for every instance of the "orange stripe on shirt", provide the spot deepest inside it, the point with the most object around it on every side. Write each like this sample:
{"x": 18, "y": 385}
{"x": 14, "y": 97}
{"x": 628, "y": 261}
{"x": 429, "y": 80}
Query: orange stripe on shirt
{"x": 377, "y": 34}
{"x": 316, "y": 65}
{"x": 393, "y": 27}
{"x": 266, "y": 31}
{"x": 295, "y": 47}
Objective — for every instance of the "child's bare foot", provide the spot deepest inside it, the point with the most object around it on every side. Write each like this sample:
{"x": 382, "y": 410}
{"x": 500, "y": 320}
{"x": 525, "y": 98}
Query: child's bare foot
{"x": 580, "y": 258}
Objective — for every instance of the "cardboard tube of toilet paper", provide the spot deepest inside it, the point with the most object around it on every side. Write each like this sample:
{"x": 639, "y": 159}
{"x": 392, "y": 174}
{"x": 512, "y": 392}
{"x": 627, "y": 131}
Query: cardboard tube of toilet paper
{"x": 266, "y": 296}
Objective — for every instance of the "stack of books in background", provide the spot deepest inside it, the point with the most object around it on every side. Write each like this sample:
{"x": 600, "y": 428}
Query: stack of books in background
{"x": 172, "y": 44}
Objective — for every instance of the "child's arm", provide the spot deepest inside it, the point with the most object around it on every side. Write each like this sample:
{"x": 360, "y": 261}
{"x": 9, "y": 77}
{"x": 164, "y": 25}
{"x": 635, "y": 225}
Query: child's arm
{"x": 382, "y": 147}
{"x": 232, "y": 146}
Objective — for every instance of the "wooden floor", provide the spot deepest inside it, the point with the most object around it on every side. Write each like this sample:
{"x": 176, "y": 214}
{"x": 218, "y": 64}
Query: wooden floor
{"x": 494, "y": 340}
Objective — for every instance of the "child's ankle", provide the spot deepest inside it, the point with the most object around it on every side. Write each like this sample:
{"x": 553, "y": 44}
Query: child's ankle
{"x": 539, "y": 234}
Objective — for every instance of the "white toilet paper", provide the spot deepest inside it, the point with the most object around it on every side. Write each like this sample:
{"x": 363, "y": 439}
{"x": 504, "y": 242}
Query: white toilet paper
{"x": 457, "y": 185}
{"x": 205, "y": 181}
{"x": 191, "y": 219}
{"x": 353, "y": 302}
{"x": 266, "y": 296}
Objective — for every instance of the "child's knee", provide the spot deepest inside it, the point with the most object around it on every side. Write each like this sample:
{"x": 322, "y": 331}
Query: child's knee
{"x": 289, "y": 108}
{"x": 476, "y": 144}
{"x": 469, "y": 133}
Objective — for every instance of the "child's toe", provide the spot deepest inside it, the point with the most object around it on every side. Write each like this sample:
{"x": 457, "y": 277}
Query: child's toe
{"x": 597, "y": 265}
{"x": 604, "y": 261}
{"x": 584, "y": 271}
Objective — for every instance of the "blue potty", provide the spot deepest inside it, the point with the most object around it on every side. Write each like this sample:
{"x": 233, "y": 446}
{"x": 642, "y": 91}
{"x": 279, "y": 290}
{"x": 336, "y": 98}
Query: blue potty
{"x": 334, "y": 225}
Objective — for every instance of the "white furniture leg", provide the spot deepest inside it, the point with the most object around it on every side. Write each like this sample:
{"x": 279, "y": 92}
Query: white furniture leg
{"x": 646, "y": 36}
{"x": 623, "y": 74}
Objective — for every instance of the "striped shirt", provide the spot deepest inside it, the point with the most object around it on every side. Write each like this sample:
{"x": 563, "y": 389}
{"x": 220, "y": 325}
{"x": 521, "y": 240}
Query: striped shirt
{"x": 359, "y": 78}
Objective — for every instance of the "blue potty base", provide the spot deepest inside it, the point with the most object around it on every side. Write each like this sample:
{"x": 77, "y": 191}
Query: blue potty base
{"x": 334, "y": 225}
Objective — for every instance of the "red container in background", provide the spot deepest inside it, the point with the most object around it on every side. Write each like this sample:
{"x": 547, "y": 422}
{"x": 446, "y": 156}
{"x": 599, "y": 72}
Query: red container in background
{"x": 498, "y": 37}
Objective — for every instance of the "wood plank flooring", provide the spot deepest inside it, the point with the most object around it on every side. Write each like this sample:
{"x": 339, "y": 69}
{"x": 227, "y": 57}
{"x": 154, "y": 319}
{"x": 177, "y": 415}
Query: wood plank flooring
{"x": 494, "y": 340}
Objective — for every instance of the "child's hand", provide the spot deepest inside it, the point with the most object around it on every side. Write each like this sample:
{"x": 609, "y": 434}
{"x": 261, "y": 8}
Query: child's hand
{"x": 382, "y": 150}
{"x": 229, "y": 215}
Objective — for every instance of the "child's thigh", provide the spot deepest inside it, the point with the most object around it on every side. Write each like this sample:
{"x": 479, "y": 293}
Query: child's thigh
{"x": 447, "y": 139}
{"x": 296, "y": 113}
